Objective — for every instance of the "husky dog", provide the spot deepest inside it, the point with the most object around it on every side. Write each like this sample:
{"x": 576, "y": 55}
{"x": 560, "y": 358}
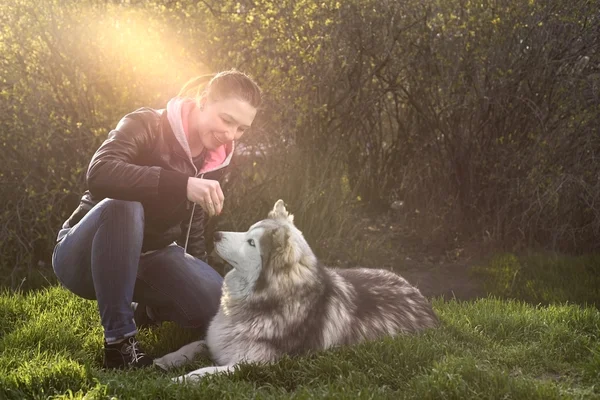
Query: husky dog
{"x": 278, "y": 299}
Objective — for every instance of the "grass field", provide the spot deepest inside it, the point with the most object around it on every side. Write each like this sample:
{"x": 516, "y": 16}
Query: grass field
{"x": 51, "y": 347}
{"x": 544, "y": 278}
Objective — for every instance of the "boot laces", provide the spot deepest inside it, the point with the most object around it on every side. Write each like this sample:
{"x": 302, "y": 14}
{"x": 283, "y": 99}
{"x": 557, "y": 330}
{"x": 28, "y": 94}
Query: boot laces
{"x": 133, "y": 350}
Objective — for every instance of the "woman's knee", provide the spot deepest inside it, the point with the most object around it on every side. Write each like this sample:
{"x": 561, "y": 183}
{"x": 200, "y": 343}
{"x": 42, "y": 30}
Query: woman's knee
{"x": 123, "y": 210}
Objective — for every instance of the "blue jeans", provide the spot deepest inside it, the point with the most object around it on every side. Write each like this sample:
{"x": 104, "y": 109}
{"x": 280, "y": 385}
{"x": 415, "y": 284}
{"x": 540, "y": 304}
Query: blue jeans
{"x": 100, "y": 258}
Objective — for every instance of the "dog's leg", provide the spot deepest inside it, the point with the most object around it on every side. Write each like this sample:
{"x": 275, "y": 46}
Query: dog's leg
{"x": 196, "y": 375}
{"x": 182, "y": 356}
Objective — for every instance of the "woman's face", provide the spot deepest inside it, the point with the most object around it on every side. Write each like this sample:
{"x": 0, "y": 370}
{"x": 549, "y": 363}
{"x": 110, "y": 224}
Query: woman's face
{"x": 221, "y": 121}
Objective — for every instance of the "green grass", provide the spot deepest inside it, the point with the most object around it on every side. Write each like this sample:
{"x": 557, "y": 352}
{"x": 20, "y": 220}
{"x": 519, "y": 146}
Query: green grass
{"x": 544, "y": 278}
{"x": 51, "y": 347}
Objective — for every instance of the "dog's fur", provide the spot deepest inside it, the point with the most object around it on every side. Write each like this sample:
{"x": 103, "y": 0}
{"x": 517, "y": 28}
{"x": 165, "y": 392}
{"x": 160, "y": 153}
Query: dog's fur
{"x": 279, "y": 300}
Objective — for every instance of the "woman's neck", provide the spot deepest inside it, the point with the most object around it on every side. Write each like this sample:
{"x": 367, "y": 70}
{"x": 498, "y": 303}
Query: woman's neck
{"x": 195, "y": 144}
{"x": 193, "y": 137}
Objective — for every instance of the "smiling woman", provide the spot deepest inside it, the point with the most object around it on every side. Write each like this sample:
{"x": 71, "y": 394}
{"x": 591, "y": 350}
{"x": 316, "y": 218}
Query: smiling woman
{"x": 216, "y": 123}
{"x": 137, "y": 235}
{"x": 215, "y": 114}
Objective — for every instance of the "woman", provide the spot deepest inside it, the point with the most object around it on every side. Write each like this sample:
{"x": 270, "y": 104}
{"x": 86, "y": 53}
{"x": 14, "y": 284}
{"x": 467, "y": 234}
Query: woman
{"x": 137, "y": 235}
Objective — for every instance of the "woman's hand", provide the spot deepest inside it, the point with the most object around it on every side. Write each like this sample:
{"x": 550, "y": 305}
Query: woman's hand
{"x": 207, "y": 193}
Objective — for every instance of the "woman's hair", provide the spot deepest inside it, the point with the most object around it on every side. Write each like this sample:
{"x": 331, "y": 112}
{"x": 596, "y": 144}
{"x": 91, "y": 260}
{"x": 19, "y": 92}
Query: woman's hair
{"x": 225, "y": 84}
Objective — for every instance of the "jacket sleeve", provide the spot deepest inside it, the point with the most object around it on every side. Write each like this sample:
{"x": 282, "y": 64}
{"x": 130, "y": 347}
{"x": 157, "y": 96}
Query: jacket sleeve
{"x": 115, "y": 169}
{"x": 196, "y": 245}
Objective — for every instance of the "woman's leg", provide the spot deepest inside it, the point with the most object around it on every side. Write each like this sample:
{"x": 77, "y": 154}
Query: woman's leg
{"x": 99, "y": 258}
{"x": 178, "y": 287}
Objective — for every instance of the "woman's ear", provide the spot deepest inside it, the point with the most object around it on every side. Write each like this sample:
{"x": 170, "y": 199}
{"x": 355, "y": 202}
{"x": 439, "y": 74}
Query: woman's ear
{"x": 201, "y": 103}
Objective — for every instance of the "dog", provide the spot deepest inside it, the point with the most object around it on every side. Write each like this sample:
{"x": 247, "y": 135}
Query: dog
{"x": 278, "y": 299}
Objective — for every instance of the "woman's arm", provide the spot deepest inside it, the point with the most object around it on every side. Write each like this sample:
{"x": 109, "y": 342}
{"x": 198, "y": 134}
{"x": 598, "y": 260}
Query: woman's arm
{"x": 114, "y": 171}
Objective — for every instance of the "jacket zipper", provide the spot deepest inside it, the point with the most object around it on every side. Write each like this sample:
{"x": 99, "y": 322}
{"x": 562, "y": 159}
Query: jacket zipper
{"x": 187, "y": 236}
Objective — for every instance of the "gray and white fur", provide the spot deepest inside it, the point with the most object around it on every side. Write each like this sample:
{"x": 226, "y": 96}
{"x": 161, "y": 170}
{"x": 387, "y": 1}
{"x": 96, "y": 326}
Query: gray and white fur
{"x": 278, "y": 299}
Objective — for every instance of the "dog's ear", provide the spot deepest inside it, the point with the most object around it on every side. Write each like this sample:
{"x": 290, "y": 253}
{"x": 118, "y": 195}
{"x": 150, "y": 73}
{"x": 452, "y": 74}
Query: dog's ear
{"x": 279, "y": 212}
{"x": 283, "y": 246}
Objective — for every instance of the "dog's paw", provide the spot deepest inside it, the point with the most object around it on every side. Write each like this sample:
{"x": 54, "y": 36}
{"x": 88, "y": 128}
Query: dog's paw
{"x": 160, "y": 363}
{"x": 198, "y": 374}
{"x": 181, "y": 356}
{"x": 168, "y": 361}
{"x": 188, "y": 378}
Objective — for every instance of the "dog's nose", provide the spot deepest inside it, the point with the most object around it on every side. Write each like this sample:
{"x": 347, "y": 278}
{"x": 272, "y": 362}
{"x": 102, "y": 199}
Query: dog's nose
{"x": 217, "y": 236}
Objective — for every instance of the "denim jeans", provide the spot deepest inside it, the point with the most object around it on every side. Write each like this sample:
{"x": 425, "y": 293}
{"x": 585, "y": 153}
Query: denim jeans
{"x": 100, "y": 258}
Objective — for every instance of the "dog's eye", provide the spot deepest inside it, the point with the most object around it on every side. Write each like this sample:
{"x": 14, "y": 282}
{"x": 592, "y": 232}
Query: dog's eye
{"x": 251, "y": 242}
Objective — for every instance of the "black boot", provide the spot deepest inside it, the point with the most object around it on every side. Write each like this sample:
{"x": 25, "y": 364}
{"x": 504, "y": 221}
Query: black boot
{"x": 125, "y": 354}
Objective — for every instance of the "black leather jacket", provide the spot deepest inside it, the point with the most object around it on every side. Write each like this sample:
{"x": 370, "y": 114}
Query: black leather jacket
{"x": 143, "y": 160}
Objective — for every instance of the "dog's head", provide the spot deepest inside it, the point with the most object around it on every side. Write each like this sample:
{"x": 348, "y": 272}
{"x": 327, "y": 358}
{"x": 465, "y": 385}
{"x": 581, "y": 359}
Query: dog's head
{"x": 271, "y": 252}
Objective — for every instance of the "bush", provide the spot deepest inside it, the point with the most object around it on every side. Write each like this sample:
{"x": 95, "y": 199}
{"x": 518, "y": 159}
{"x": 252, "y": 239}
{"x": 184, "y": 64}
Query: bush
{"x": 484, "y": 119}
